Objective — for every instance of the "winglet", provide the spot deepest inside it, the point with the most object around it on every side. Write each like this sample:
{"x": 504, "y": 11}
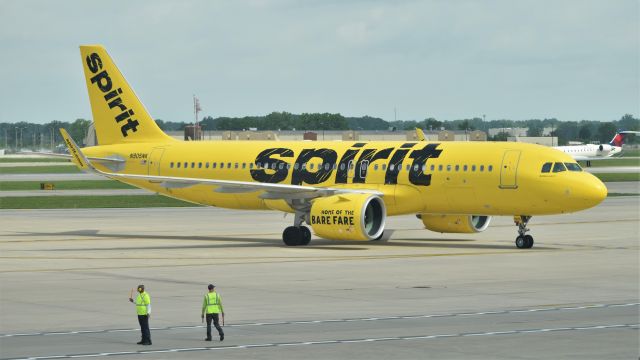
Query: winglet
{"x": 76, "y": 155}
{"x": 420, "y": 134}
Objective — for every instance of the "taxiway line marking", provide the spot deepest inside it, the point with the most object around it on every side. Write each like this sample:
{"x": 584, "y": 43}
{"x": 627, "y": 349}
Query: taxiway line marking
{"x": 313, "y": 322}
{"x": 328, "y": 342}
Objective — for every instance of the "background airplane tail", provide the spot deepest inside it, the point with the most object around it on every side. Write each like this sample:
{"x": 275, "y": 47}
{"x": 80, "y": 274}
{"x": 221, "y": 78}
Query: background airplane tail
{"x": 617, "y": 140}
{"x": 119, "y": 116}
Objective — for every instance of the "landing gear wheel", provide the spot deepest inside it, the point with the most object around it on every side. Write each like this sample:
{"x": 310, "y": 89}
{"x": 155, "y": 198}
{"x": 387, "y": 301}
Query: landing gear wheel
{"x": 292, "y": 236}
{"x": 523, "y": 241}
{"x": 306, "y": 235}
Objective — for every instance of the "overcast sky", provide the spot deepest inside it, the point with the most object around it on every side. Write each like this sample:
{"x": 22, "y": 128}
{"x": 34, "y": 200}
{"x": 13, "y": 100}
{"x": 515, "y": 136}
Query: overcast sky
{"x": 571, "y": 60}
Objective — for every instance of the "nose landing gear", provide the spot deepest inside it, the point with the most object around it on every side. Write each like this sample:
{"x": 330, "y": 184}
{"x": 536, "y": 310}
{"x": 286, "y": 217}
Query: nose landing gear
{"x": 523, "y": 241}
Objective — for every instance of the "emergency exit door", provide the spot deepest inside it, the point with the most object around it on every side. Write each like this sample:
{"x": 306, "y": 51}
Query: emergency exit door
{"x": 154, "y": 161}
{"x": 509, "y": 169}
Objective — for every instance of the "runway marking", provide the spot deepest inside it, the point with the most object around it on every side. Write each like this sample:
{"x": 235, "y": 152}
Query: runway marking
{"x": 306, "y": 322}
{"x": 329, "y": 342}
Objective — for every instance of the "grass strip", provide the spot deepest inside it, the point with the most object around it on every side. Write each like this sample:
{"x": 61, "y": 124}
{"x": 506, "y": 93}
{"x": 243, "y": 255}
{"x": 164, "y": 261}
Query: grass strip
{"x": 64, "y": 185}
{"x": 32, "y": 159}
{"x": 615, "y": 162}
{"x": 73, "y": 202}
{"x": 607, "y": 177}
{"x": 51, "y": 169}
{"x": 629, "y": 153}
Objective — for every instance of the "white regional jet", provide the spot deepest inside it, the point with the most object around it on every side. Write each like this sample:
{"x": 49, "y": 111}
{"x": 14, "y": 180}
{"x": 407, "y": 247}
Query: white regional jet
{"x": 585, "y": 152}
{"x": 590, "y": 152}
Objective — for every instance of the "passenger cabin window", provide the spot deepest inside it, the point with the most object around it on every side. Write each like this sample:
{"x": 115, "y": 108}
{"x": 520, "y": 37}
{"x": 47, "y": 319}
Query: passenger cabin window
{"x": 199, "y": 165}
{"x": 213, "y": 165}
{"x": 465, "y": 167}
{"x": 546, "y": 167}
{"x": 171, "y": 164}
{"x": 490, "y": 168}
{"x": 573, "y": 167}
{"x": 178, "y": 165}
{"x": 558, "y": 167}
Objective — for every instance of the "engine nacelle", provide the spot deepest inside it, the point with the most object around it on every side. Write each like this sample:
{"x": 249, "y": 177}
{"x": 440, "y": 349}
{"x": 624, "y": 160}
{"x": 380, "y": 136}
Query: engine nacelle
{"x": 605, "y": 148}
{"x": 348, "y": 217}
{"x": 456, "y": 223}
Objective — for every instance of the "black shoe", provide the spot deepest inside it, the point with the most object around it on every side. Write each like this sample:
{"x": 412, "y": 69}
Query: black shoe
{"x": 221, "y": 337}
{"x": 207, "y": 339}
{"x": 140, "y": 342}
{"x": 146, "y": 343}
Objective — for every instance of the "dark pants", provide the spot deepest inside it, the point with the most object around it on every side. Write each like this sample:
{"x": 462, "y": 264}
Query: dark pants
{"x": 144, "y": 328}
{"x": 216, "y": 323}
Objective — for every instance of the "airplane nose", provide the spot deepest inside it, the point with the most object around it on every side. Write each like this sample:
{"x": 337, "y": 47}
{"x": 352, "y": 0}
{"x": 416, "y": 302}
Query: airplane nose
{"x": 588, "y": 193}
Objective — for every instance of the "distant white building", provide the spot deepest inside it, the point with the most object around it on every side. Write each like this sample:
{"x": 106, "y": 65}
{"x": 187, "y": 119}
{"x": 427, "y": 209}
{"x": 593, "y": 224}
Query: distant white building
{"x": 540, "y": 140}
{"x": 510, "y": 131}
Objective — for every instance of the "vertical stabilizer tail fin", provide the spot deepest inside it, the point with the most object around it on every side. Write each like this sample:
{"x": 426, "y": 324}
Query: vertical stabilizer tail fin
{"x": 618, "y": 139}
{"x": 119, "y": 116}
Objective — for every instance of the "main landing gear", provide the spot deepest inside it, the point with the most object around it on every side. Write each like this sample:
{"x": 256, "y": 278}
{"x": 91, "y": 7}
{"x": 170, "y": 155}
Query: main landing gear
{"x": 297, "y": 234}
{"x": 523, "y": 241}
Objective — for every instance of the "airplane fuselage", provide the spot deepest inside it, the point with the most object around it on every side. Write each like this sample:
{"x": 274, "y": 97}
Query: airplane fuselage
{"x": 415, "y": 177}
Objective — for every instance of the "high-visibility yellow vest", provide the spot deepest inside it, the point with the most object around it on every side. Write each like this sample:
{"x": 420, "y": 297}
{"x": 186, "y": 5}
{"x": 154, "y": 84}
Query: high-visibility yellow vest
{"x": 212, "y": 302}
{"x": 142, "y": 301}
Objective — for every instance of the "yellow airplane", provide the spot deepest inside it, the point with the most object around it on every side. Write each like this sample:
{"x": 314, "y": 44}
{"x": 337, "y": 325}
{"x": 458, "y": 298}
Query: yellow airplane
{"x": 342, "y": 190}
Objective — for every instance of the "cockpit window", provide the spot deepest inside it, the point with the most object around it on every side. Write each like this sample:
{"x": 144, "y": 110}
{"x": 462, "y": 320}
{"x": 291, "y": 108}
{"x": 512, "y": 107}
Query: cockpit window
{"x": 573, "y": 167}
{"x": 546, "y": 167}
{"x": 558, "y": 167}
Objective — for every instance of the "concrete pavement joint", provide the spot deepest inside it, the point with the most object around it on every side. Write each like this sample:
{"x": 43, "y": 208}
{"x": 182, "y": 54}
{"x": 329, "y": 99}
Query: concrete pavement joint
{"x": 306, "y": 322}
{"x": 327, "y": 342}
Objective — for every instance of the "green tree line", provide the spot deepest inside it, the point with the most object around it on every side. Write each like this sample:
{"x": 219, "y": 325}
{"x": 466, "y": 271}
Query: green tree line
{"x": 35, "y": 136}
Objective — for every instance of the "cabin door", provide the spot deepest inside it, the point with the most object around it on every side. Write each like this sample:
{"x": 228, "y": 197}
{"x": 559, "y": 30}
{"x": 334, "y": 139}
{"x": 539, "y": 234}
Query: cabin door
{"x": 509, "y": 169}
{"x": 154, "y": 161}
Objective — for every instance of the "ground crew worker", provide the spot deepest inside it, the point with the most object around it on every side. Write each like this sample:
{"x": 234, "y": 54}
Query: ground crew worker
{"x": 143, "y": 308}
{"x": 212, "y": 305}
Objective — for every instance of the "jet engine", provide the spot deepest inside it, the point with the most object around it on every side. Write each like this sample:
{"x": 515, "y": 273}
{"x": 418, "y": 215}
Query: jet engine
{"x": 605, "y": 148}
{"x": 348, "y": 217}
{"x": 455, "y": 223}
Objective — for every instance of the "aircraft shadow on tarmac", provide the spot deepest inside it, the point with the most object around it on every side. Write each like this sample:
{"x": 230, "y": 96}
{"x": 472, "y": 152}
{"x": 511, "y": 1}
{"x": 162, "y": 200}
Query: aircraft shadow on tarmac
{"x": 246, "y": 242}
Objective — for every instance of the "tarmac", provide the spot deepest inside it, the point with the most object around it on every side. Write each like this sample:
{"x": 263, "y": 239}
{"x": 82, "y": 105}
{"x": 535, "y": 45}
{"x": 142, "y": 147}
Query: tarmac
{"x": 65, "y": 276}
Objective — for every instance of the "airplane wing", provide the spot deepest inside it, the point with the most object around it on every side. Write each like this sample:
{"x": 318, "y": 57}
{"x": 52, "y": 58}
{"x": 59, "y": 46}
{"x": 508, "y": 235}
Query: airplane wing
{"x": 68, "y": 156}
{"x": 272, "y": 191}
